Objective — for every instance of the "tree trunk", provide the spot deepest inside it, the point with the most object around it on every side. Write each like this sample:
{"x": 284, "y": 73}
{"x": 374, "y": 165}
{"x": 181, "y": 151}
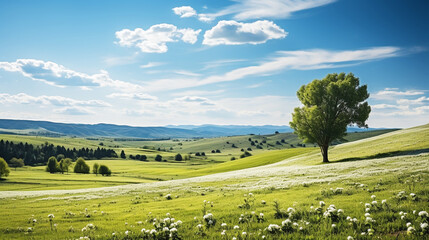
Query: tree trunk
{"x": 324, "y": 150}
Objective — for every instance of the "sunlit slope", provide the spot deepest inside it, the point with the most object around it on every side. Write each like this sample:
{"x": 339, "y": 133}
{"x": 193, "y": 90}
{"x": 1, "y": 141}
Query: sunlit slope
{"x": 390, "y": 144}
{"x": 254, "y": 161}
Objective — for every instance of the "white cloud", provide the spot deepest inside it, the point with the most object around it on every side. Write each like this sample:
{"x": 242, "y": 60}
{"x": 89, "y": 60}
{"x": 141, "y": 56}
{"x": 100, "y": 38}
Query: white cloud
{"x": 136, "y": 96}
{"x": 151, "y": 64}
{"x": 420, "y": 100}
{"x": 220, "y": 63}
{"x": 257, "y": 85}
{"x": 198, "y": 92}
{"x": 74, "y": 111}
{"x": 257, "y": 9}
{"x": 285, "y": 60}
{"x": 392, "y": 93}
{"x": 187, "y": 73}
{"x": 155, "y": 39}
{"x": 22, "y": 98}
{"x": 184, "y": 11}
{"x": 123, "y": 60}
{"x": 57, "y": 75}
{"x": 237, "y": 33}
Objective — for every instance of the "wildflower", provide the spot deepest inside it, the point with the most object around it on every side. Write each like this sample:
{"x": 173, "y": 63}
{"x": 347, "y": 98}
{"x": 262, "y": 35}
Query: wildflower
{"x": 367, "y": 214}
{"x": 411, "y": 230}
{"x": 127, "y": 232}
{"x": 113, "y": 234}
{"x": 261, "y": 215}
{"x": 334, "y": 225}
{"x": 322, "y": 203}
{"x": 384, "y": 201}
{"x": 178, "y": 223}
{"x": 250, "y": 194}
{"x": 244, "y": 234}
{"x": 143, "y": 230}
{"x": 367, "y": 209}
{"x": 153, "y": 231}
{"x": 84, "y": 229}
{"x": 374, "y": 203}
{"x": 263, "y": 236}
{"x": 370, "y": 231}
{"x": 90, "y": 226}
{"x": 34, "y": 220}
{"x": 199, "y": 226}
{"x": 350, "y": 238}
{"x": 340, "y": 211}
{"x": 51, "y": 216}
{"x": 423, "y": 226}
{"x": 223, "y": 233}
{"x": 236, "y": 227}
{"x": 223, "y": 225}
{"x": 263, "y": 202}
{"x": 367, "y": 205}
{"x": 173, "y": 230}
{"x": 30, "y": 229}
{"x": 408, "y": 224}
{"x": 234, "y": 238}
{"x": 373, "y": 197}
{"x": 273, "y": 228}
{"x": 290, "y": 210}
{"x": 423, "y": 214}
{"x": 166, "y": 229}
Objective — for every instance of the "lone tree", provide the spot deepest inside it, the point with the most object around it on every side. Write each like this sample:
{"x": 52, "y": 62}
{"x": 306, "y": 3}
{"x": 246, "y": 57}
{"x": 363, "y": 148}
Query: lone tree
{"x": 81, "y": 166}
{"x": 178, "y": 157}
{"x": 95, "y": 168}
{"x": 52, "y": 166}
{"x": 65, "y": 164}
{"x": 123, "y": 154}
{"x": 4, "y": 168}
{"x": 330, "y": 105}
{"x": 16, "y": 163}
{"x": 104, "y": 170}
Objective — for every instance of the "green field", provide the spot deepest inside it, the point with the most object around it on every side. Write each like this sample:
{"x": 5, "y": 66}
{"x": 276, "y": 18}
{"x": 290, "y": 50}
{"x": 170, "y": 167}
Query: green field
{"x": 382, "y": 166}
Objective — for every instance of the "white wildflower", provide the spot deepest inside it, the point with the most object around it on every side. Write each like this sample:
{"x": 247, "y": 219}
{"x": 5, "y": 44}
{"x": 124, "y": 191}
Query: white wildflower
{"x": 236, "y": 227}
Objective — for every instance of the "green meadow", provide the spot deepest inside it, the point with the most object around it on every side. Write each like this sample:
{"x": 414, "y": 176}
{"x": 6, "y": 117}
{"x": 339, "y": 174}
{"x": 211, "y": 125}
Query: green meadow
{"x": 374, "y": 188}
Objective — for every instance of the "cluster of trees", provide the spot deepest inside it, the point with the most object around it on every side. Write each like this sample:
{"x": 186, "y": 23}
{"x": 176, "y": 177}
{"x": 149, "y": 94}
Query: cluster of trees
{"x": 81, "y": 166}
{"x": 39, "y": 154}
{"x": 139, "y": 157}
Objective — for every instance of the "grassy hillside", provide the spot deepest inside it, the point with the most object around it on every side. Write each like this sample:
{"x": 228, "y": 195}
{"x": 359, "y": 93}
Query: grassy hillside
{"x": 398, "y": 184}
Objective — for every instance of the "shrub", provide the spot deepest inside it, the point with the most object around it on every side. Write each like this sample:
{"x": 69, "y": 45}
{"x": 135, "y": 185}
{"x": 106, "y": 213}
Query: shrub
{"x": 16, "y": 162}
{"x": 81, "y": 166}
{"x": 52, "y": 166}
{"x": 178, "y": 157}
{"x": 104, "y": 170}
{"x": 158, "y": 158}
{"x": 95, "y": 168}
{"x": 4, "y": 168}
{"x": 245, "y": 154}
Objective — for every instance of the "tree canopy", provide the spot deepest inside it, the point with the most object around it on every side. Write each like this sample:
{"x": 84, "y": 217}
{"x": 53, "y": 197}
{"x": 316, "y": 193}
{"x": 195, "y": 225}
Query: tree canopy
{"x": 330, "y": 105}
{"x": 4, "y": 168}
{"x": 81, "y": 166}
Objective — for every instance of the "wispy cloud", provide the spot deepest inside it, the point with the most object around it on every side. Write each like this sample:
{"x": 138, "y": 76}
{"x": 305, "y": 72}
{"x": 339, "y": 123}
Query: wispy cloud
{"x": 285, "y": 60}
{"x": 155, "y": 39}
{"x": 187, "y": 73}
{"x": 222, "y": 62}
{"x": 135, "y": 96}
{"x": 74, "y": 111}
{"x": 257, "y": 9}
{"x": 123, "y": 60}
{"x": 151, "y": 64}
{"x": 57, "y": 75}
{"x": 393, "y": 93}
{"x": 237, "y": 33}
{"x": 22, "y": 98}
{"x": 257, "y": 85}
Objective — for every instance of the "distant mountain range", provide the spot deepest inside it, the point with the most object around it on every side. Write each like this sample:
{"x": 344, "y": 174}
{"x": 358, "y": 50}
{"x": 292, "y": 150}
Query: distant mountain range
{"x": 46, "y": 128}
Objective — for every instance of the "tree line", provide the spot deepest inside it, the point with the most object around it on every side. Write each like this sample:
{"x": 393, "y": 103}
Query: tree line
{"x": 39, "y": 154}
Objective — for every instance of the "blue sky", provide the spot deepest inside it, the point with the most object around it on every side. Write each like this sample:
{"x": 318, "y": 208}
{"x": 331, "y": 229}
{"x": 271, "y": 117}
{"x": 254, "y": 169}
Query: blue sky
{"x": 152, "y": 63}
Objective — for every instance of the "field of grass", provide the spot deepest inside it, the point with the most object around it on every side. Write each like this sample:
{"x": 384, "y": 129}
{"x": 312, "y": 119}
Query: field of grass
{"x": 382, "y": 182}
